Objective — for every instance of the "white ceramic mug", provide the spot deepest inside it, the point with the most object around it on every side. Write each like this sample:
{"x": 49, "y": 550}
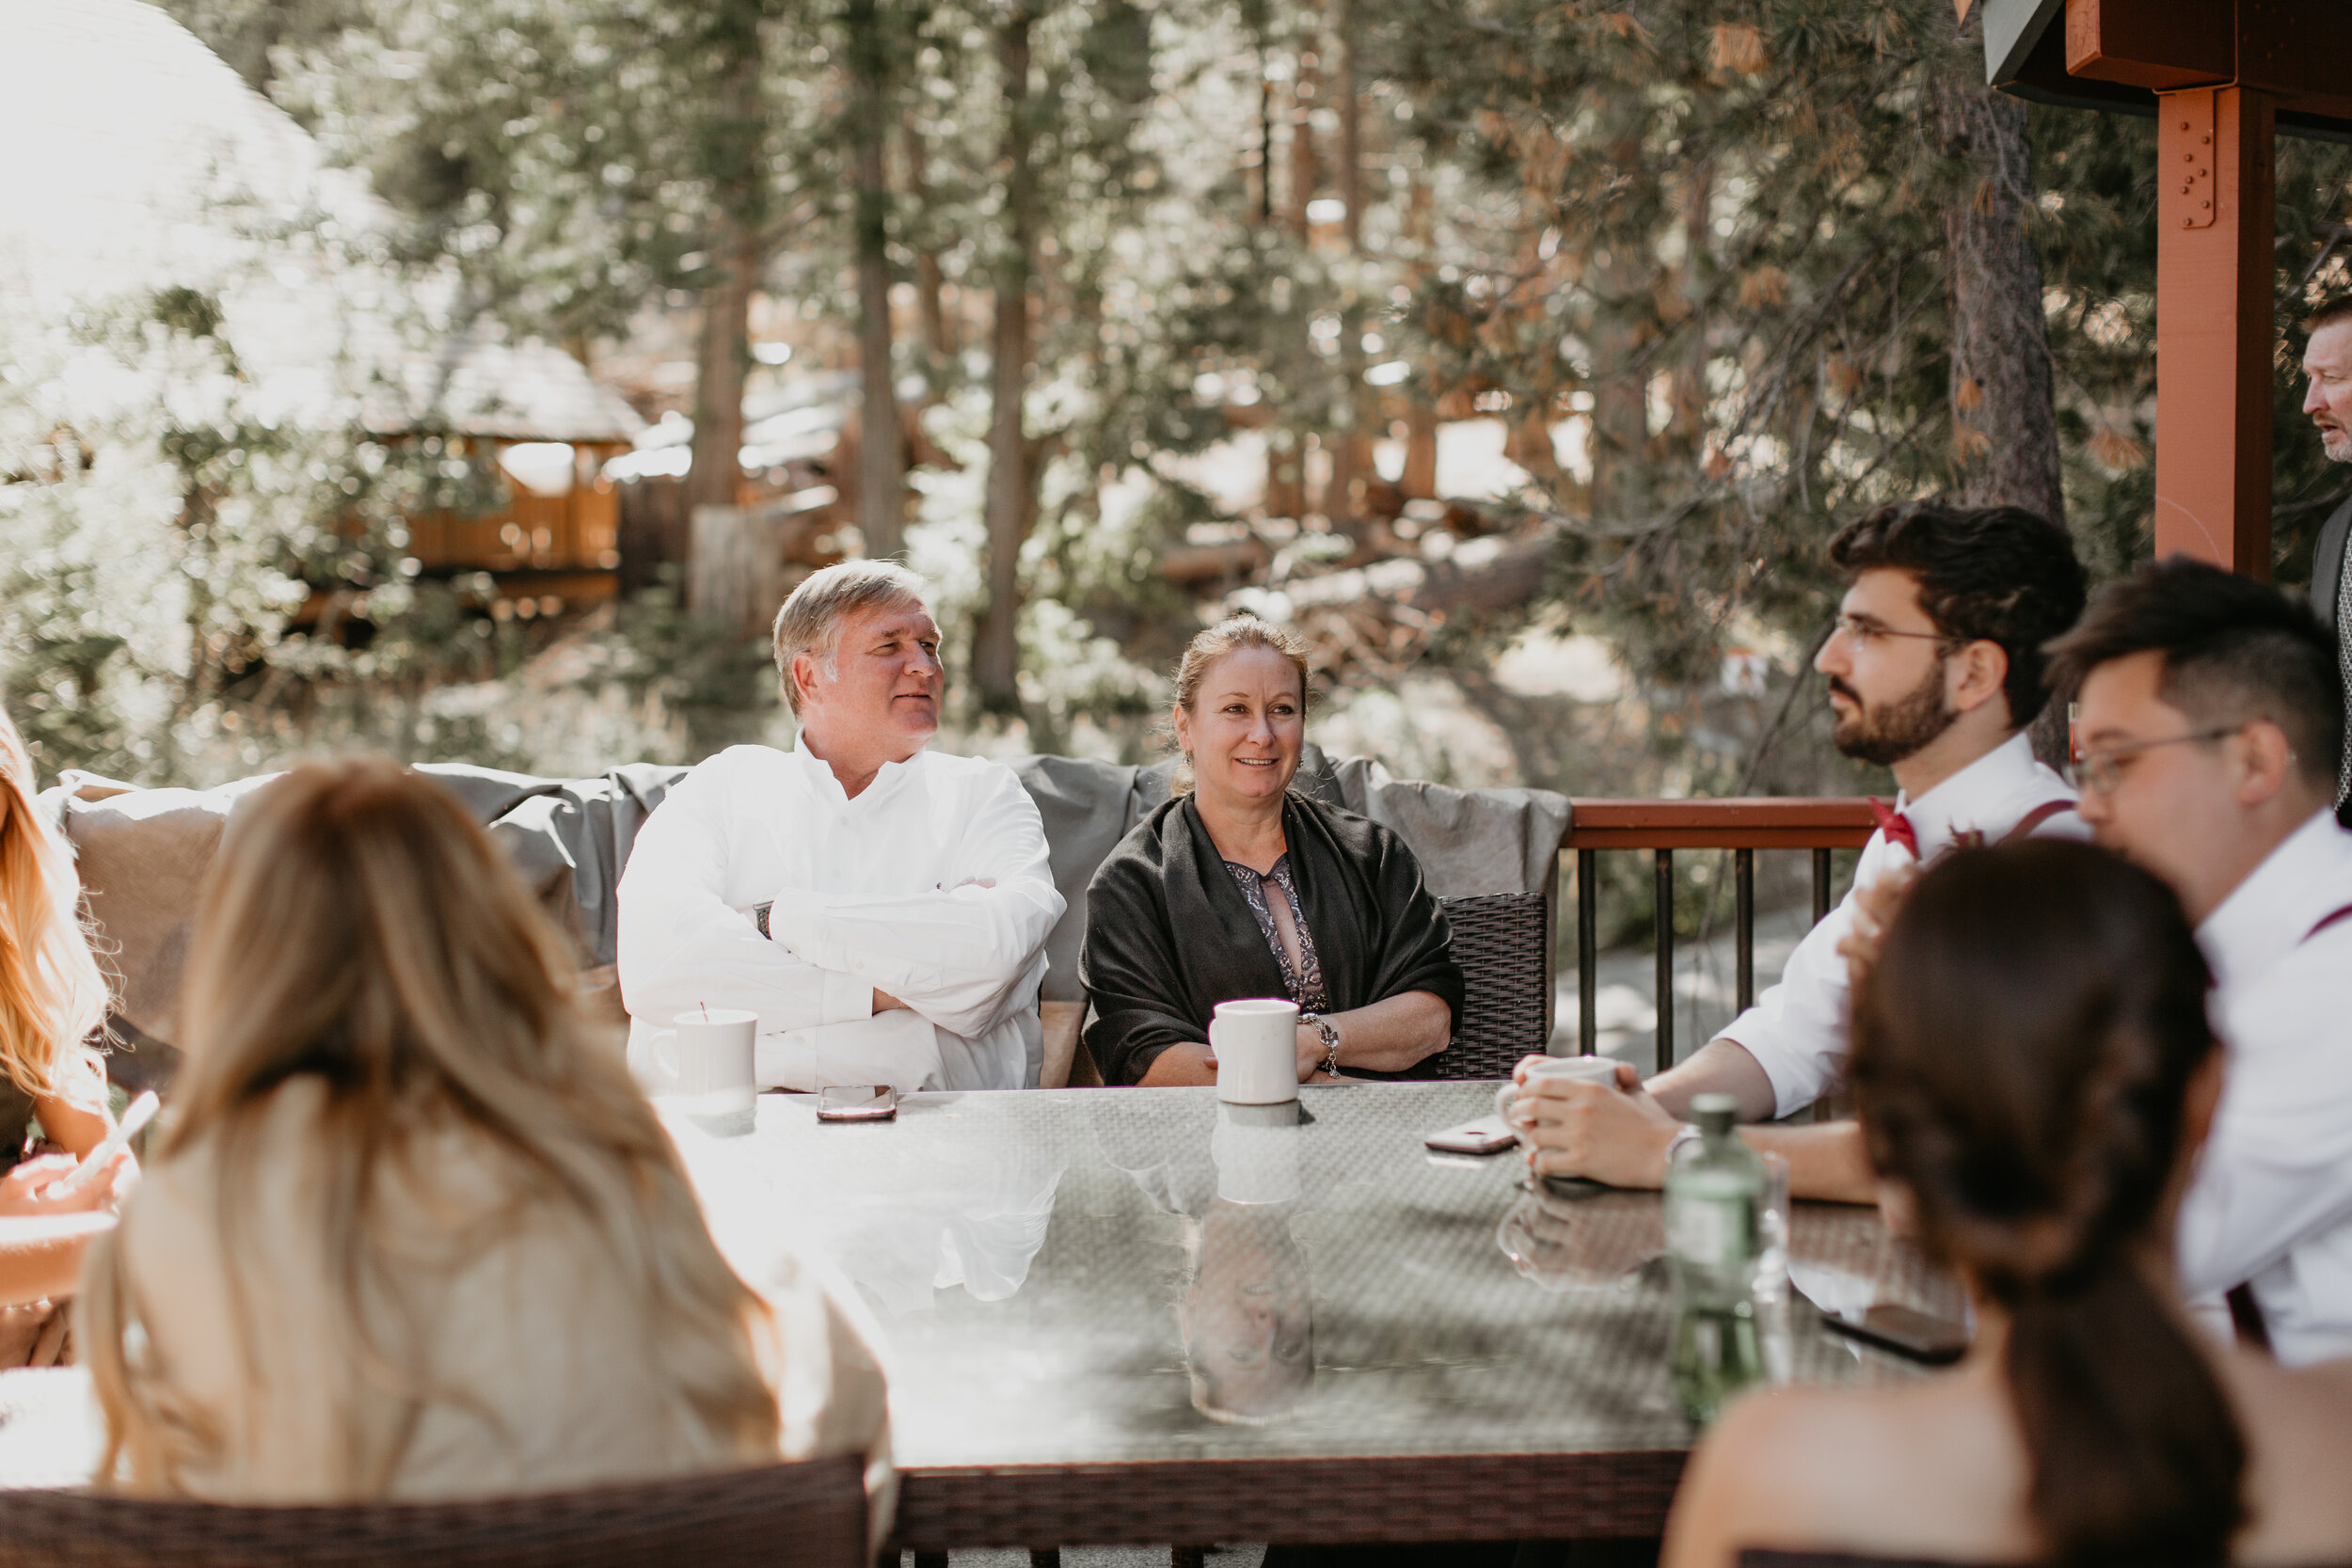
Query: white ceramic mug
{"x": 1256, "y": 1043}
{"x": 705, "y": 1059}
{"x": 1559, "y": 1069}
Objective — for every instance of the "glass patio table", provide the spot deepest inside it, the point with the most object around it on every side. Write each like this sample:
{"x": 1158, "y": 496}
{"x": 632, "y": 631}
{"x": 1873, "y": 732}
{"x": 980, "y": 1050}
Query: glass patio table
{"x": 1137, "y": 1316}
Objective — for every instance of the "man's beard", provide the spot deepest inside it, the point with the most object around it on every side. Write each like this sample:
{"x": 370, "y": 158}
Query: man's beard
{"x": 2336, "y": 443}
{"x": 1886, "y": 735}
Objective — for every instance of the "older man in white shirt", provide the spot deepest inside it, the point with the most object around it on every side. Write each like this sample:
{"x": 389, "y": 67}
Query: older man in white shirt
{"x": 883, "y": 907}
{"x": 1935, "y": 669}
{"x": 2210, "y": 718}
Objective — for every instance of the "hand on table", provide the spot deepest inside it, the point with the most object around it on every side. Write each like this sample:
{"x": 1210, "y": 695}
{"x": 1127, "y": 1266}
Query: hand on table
{"x": 1874, "y": 910}
{"x": 1309, "y": 1061}
{"x": 23, "y": 1190}
{"x": 1311, "y": 1055}
{"x": 1614, "y": 1134}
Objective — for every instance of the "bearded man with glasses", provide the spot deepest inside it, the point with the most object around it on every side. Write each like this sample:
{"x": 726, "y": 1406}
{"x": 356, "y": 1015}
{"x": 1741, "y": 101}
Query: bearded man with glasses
{"x": 1935, "y": 669}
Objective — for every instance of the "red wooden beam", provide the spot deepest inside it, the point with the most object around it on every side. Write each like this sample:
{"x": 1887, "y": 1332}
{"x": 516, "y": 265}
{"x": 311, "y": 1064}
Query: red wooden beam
{"x": 2215, "y": 205}
{"x": 2293, "y": 50}
{"x": 2160, "y": 44}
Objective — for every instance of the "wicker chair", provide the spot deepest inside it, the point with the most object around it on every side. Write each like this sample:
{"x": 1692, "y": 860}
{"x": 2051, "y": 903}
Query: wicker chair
{"x": 1503, "y": 944}
{"x": 804, "y": 1516}
{"x": 1756, "y": 1557}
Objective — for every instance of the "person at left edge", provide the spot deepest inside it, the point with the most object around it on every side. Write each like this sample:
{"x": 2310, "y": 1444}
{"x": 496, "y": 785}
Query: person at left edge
{"x": 882, "y": 907}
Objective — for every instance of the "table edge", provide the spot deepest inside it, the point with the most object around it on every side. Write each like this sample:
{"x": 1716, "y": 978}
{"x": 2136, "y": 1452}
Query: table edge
{"x": 1399, "y": 1497}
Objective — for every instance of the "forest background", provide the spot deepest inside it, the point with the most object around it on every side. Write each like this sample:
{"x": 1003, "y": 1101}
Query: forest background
{"x": 1706, "y": 276}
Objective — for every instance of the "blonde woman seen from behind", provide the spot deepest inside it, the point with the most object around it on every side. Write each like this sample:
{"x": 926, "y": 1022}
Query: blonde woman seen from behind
{"x": 410, "y": 1230}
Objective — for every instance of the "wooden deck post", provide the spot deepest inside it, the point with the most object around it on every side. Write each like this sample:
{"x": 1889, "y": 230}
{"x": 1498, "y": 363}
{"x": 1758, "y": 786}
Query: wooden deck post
{"x": 2215, "y": 206}
{"x": 2224, "y": 76}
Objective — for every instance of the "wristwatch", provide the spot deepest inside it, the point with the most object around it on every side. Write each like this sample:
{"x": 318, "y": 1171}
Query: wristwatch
{"x": 1328, "y": 1034}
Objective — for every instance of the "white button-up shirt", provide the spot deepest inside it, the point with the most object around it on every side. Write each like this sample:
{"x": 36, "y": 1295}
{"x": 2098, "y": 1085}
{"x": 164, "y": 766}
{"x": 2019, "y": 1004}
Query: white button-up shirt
{"x": 1797, "y": 1030}
{"x": 2272, "y": 1201}
{"x": 931, "y": 886}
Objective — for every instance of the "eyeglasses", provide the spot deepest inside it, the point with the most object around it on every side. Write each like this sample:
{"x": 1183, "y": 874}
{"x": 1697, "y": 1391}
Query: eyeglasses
{"x": 2102, "y": 771}
{"x": 1861, "y": 631}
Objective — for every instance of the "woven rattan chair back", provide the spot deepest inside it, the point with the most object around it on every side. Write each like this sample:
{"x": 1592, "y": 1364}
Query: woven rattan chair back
{"x": 804, "y": 1516}
{"x": 1502, "y": 943}
{"x": 1756, "y": 1557}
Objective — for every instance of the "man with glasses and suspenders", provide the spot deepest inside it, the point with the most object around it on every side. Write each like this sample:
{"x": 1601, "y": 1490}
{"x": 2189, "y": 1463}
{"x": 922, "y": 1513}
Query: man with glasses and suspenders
{"x": 1935, "y": 669}
{"x": 2211, "y": 719}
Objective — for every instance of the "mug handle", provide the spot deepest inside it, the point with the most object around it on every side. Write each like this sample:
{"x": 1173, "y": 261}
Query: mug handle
{"x": 1213, "y": 1057}
{"x": 1504, "y": 1095}
{"x": 666, "y": 1061}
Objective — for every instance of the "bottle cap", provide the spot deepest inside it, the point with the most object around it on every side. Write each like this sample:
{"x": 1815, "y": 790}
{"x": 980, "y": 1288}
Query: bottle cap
{"x": 1714, "y": 1113}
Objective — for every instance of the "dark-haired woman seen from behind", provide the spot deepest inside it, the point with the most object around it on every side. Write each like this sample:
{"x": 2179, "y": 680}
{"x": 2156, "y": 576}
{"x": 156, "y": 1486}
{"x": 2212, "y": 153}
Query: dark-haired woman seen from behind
{"x": 1240, "y": 887}
{"x": 410, "y": 1231}
{"x": 2034, "y": 1073}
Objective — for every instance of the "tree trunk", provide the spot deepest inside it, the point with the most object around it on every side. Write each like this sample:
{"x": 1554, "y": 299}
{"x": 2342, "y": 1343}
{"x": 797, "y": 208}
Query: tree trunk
{"x": 1305, "y": 174}
{"x": 1011, "y": 487}
{"x": 1501, "y": 574}
{"x": 1266, "y": 134}
{"x": 719, "y": 356}
{"x": 1285, "y": 473}
{"x": 1619, "y": 441}
{"x": 722, "y": 354}
{"x": 2005, "y": 447}
{"x": 1418, "y": 480}
{"x": 938, "y": 337}
{"x": 881, "y": 451}
{"x": 1350, "y": 450}
{"x": 1689, "y": 421}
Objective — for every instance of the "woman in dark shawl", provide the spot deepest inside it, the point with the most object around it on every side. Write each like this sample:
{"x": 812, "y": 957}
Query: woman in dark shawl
{"x": 1240, "y": 888}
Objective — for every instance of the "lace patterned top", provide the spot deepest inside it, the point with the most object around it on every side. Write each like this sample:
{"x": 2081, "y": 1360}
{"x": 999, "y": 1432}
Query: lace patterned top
{"x": 1303, "y": 979}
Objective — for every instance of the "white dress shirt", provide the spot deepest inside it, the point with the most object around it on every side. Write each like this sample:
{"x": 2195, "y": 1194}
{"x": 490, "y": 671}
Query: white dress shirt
{"x": 2272, "y": 1202}
{"x": 1797, "y": 1030}
{"x": 931, "y": 886}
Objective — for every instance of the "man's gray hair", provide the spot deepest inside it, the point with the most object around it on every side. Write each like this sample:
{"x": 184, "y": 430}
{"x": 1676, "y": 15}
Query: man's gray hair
{"x": 810, "y": 621}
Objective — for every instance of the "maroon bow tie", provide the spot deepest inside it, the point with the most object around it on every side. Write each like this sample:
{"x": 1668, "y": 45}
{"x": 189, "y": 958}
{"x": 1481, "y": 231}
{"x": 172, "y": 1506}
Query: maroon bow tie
{"x": 1896, "y": 826}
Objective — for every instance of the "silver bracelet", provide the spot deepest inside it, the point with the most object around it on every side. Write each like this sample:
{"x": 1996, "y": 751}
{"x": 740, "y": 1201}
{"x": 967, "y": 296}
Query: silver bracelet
{"x": 1328, "y": 1034}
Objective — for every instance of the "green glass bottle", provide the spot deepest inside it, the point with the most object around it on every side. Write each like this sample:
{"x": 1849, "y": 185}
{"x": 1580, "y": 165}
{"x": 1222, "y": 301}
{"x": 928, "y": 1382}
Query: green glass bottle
{"x": 1716, "y": 1188}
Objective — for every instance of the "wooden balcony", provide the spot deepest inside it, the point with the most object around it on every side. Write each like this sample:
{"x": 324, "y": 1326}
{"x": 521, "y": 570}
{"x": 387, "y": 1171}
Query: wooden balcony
{"x": 1816, "y": 825}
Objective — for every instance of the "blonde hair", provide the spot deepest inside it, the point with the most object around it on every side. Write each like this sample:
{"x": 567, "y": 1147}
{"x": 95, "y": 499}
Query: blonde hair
{"x": 810, "y": 621}
{"x": 358, "y": 928}
{"x": 53, "y": 997}
{"x": 1230, "y": 635}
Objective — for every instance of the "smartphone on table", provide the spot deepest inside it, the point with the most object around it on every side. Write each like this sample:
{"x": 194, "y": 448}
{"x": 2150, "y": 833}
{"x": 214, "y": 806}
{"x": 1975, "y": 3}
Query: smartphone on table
{"x": 1937, "y": 1341}
{"x": 1487, "y": 1135}
{"x": 858, "y": 1103}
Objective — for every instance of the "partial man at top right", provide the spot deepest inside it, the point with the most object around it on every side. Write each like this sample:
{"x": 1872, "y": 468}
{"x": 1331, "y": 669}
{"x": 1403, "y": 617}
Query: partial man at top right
{"x": 2328, "y": 399}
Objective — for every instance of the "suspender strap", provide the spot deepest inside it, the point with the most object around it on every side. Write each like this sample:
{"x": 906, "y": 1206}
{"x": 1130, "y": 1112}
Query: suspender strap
{"x": 2246, "y": 1316}
{"x": 2042, "y": 813}
{"x": 2331, "y": 918}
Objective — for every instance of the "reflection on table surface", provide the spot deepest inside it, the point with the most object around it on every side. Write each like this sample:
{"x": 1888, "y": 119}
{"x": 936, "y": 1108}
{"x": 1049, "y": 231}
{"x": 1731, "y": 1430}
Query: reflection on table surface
{"x": 1115, "y": 1274}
